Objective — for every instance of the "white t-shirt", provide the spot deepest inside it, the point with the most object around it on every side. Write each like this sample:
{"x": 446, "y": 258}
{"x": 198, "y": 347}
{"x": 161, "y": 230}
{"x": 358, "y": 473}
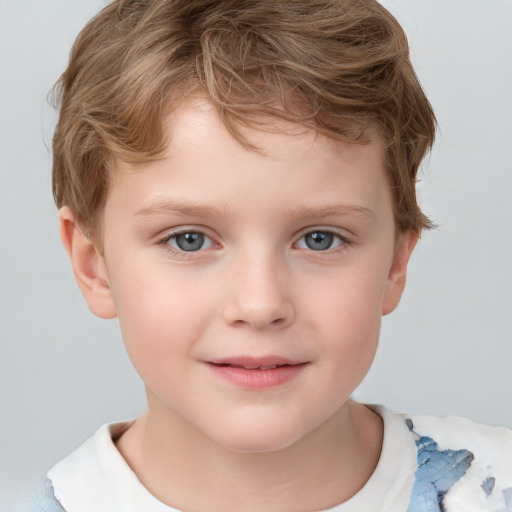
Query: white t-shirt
{"x": 424, "y": 461}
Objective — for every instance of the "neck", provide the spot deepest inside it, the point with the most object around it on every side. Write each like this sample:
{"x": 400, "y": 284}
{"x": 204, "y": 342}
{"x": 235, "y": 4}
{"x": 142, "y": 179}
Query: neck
{"x": 186, "y": 470}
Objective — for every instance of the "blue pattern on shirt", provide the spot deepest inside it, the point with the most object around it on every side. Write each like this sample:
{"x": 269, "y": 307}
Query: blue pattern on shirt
{"x": 437, "y": 471}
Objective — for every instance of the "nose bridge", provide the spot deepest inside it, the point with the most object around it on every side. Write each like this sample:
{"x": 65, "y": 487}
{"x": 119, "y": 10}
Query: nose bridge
{"x": 258, "y": 291}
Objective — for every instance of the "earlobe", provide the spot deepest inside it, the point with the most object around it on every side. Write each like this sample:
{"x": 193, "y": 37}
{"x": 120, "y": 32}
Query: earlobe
{"x": 88, "y": 266}
{"x": 398, "y": 271}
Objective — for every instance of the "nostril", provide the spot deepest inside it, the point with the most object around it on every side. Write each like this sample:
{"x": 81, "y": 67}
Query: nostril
{"x": 258, "y": 311}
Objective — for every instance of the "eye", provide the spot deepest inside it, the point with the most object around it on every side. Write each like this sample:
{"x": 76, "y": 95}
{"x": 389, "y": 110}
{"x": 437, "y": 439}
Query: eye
{"x": 320, "y": 240}
{"x": 189, "y": 241}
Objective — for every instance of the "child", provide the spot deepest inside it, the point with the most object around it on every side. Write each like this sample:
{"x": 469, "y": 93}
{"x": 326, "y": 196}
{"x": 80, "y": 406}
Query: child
{"x": 236, "y": 183}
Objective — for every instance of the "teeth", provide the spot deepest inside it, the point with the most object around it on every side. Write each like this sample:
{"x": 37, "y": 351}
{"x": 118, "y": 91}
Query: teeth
{"x": 273, "y": 367}
{"x": 260, "y": 367}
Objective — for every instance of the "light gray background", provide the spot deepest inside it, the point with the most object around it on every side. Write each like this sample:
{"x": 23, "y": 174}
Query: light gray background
{"x": 448, "y": 348}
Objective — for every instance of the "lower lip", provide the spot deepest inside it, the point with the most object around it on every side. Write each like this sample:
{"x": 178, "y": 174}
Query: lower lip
{"x": 258, "y": 379}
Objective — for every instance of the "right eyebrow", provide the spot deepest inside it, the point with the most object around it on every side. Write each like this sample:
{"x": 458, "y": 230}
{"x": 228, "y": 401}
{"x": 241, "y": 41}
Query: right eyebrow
{"x": 180, "y": 207}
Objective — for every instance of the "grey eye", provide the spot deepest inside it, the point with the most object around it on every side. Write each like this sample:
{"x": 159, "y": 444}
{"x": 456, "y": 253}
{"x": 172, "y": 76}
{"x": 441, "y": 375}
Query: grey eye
{"x": 190, "y": 241}
{"x": 320, "y": 241}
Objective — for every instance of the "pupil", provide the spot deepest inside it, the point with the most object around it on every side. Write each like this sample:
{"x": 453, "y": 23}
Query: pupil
{"x": 190, "y": 241}
{"x": 319, "y": 240}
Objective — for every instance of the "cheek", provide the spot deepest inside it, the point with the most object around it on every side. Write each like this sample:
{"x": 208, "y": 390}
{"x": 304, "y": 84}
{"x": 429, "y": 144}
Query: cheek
{"x": 348, "y": 319}
{"x": 160, "y": 322}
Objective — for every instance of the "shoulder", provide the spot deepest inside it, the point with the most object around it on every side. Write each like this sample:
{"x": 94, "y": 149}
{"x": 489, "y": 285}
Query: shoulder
{"x": 96, "y": 477}
{"x": 490, "y": 446}
{"x": 88, "y": 476}
{"x": 455, "y": 429}
{"x": 477, "y": 459}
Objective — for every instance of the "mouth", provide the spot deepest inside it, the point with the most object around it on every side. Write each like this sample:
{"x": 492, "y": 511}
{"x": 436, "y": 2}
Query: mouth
{"x": 250, "y": 363}
{"x": 257, "y": 373}
{"x": 273, "y": 367}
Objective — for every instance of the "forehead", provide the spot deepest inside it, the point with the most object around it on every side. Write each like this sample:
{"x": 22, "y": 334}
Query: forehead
{"x": 196, "y": 120}
{"x": 292, "y": 168}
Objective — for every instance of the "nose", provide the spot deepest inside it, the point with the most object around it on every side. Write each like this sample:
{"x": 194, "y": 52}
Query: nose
{"x": 259, "y": 295}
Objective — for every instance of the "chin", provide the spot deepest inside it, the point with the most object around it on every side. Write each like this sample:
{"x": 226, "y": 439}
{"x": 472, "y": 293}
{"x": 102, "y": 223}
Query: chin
{"x": 258, "y": 437}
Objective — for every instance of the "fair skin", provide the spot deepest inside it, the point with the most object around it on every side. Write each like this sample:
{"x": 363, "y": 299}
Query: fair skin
{"x": 249, "y": 287}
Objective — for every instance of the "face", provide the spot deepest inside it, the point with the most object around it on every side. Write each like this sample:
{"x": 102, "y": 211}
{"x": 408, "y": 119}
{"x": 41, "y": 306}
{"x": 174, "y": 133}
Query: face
{"x": 249, "y": 286}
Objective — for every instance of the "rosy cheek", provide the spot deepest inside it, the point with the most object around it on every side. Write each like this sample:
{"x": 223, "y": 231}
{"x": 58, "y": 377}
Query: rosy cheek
{"x": 349, "y": 318}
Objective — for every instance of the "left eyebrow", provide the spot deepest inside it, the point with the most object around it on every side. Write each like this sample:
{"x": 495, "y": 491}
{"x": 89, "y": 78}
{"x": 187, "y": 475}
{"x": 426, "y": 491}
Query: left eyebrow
{"x": 335, "y": 210}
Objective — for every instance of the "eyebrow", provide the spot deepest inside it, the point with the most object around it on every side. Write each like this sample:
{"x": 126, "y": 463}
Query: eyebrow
{"x": 334, "y": 210}
{"x": 187, "y": 208}
{"x": 180, "y": 207}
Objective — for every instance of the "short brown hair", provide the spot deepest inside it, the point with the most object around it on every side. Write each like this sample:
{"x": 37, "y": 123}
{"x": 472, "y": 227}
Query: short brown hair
{"x": 335, "y": 66}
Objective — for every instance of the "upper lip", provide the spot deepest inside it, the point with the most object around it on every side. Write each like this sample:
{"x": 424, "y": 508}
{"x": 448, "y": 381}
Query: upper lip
{"x": 251, "y": 363}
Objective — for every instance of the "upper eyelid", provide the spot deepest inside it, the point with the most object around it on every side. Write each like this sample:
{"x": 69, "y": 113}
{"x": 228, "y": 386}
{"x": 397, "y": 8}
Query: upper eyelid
{"x": 342, "y": 233}
{"x": 172, "y": 232}
{"x": 162, "y": 241}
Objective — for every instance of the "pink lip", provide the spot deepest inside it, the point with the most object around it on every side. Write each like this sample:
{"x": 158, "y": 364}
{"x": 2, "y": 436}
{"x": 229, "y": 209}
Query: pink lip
{"x": 257, "y": 373}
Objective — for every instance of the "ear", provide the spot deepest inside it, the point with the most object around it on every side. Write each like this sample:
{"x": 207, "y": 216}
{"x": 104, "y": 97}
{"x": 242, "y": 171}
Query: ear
{"x": 398, "y": 271}
{"x": 88, "y": 266}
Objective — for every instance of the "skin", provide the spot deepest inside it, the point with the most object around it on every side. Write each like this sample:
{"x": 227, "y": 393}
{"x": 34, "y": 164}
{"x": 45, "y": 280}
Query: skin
{"x": 255, "y": 288}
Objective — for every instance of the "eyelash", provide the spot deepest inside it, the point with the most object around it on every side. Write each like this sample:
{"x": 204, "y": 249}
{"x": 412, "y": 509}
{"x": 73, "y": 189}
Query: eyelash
{"x": 344, "y": 241}
{"x": 178, "y": 252}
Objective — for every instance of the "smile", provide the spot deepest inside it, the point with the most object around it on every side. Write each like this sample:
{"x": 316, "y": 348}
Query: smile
{"x": 257, "y": 373}
{"x": 255, "y": 367}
